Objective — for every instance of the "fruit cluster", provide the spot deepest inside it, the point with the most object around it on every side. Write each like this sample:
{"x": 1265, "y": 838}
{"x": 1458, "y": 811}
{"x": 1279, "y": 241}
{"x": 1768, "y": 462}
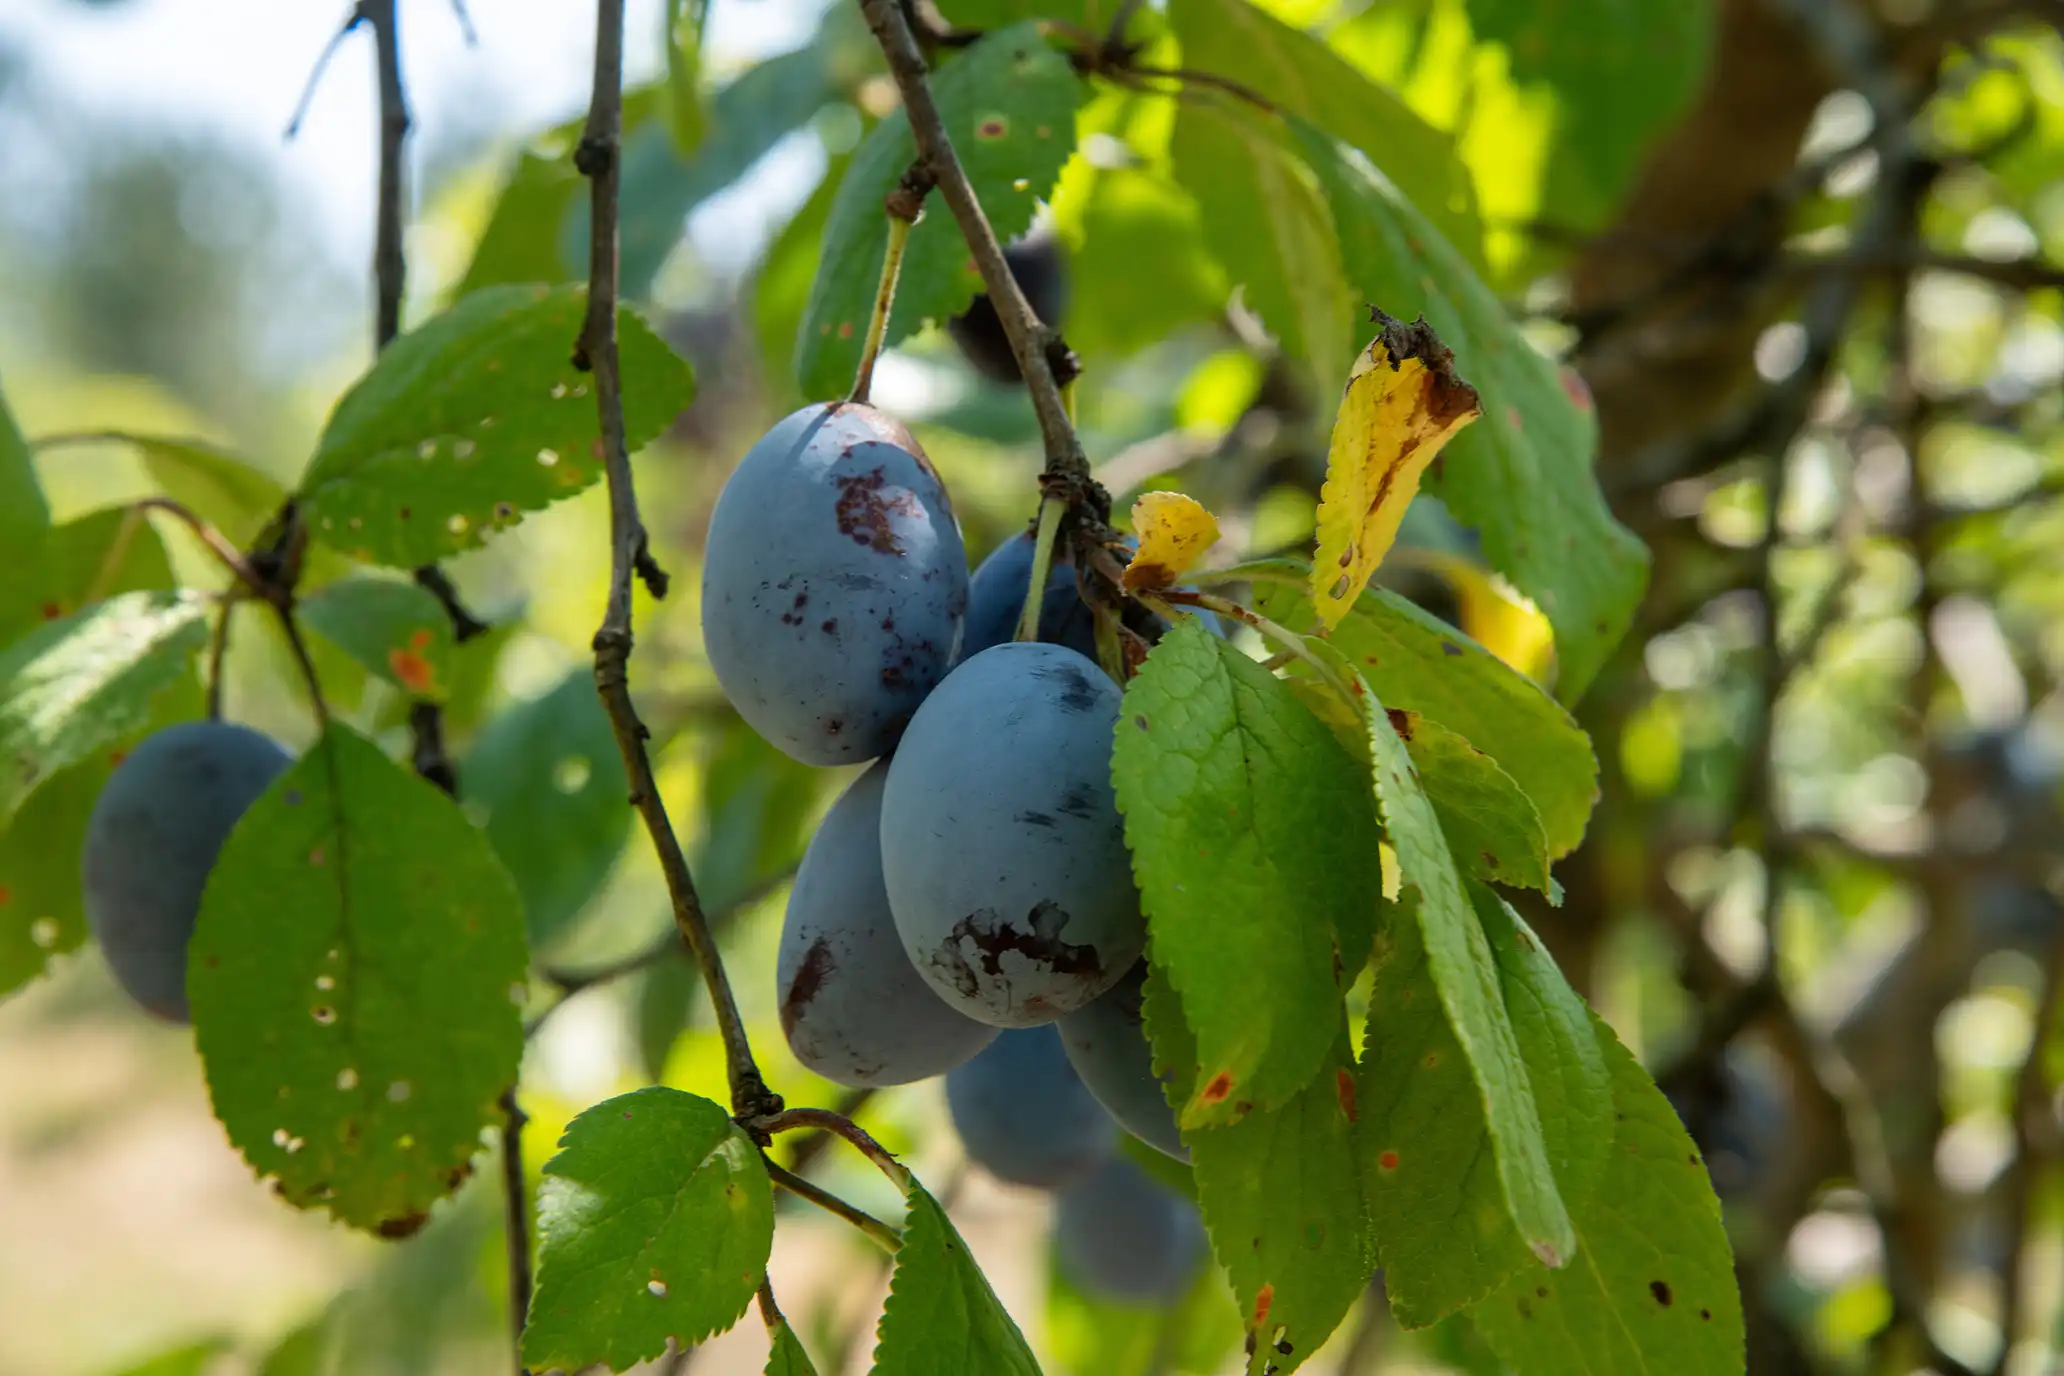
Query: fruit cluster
{"x": 967, "y": 906}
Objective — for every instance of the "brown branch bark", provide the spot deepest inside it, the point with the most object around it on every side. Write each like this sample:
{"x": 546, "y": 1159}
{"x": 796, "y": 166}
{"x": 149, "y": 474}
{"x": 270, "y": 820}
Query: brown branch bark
{"x": 597, "y": 157}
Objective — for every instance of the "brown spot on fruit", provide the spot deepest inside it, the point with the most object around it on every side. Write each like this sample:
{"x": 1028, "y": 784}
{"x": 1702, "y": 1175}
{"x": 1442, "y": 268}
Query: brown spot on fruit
{"x": 808, "y": 982}
{"x": 1215, "y": 1092}
{"x": 867, "y": 508}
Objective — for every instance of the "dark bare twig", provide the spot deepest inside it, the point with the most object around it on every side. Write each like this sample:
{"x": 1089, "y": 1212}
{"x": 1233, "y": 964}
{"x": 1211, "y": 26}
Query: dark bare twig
{"x": 515, "y": 1196}
{"x": 824, "y": 1199}
{"x": 322, "y": 65}
{"x": 465, "y": 626}
{"x": 791, "y": 1120}
{"x": 813, "y": 1146}
{"x": 218, "y": 650}
{"x": 1042, "y": 358}
{"x": 597, "y": 158}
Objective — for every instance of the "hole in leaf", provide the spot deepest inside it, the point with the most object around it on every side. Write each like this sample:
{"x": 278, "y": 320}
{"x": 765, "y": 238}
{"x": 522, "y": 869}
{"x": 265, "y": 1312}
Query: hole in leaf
{"x": 323, "y": 1014}
{"x": 548, "y": 457}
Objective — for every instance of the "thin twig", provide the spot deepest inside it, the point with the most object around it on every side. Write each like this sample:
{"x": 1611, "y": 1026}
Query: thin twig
{"x": 515, "y": 1198}
{"x": 1043, "y": 359}
{"x": 217, "y": 544}
{"x": 390, "y": 267}
{"x": 322, "y": 64}
{"x": 597, "y": 159}
{"x": 218, "y": 650}
{"x": 889, "y": 1238}
{"x": 812, "y": 1146}
{"x": 465, "y": 626}
{"x": 791, "y": 1120}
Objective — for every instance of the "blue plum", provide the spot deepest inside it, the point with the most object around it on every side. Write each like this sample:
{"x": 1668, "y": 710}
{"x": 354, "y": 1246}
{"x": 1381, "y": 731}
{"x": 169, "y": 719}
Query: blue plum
{"x": 834, "y": 583}
{"x": 1002, "y": 847}
{"x": 852, "y": 1007}
{"x": 1041, "y": 273}
{"x": 1023, "y": 1115}
{"x": 1122, "y": 1235}
{"x": 152, "y": 839}
{"x": 996, "y": 594}
{"x": 1107, "y": 1044}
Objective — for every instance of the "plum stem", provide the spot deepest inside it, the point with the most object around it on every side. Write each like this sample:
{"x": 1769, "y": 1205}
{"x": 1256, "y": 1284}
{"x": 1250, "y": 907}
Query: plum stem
{"x": 791, "y": 1120}
{"x": 888, "y": 1237}
{"x": 597, "y": 158}
{"x": 1051, "y": 509}
{"x": 1292, "y": 643}
{"x": 218, "y": 650}
{"x": 884, "y": 299}
{"x": 1040, "y": 354}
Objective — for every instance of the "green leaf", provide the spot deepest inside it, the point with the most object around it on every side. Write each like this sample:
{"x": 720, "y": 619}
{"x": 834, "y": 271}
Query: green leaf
{"x": 1465, "y": 973}
{"x": 1522, "y": 475}
{"x": 687, "y": 120}
{"x": 781, "y": 286}
{"x": 546, "y": 780}
{"x": 75, "y": 686}
{"x": 355, "y": 977}
{"x": 526, "y": 236}
{"x": 1621, "y": 73}
{"x": 786, "y": 1355}
{"x": 1008, "y": 103}
{"x": 758, "y": 811}
{"x": 1254, "y": 846}
{"x": 231, "y": 495}
{"x": 82, "y": 561}
{"x": 942, "y": 1319}
{"x": 1652, "y": 1287}
{"x": 42, "y": 912}
{"x": 395, "y": 630}
{"x": 24, "y": 512}
{"x": 656, "y": 1219}
{"x": 1419, "y": 663}
{"x": 1266, "y": 222}
{"x": 1300, "y": 75}
{"x": 1428, "y": 1163}
{"x": 476, "y": 417}
{"x": 188, "y": 1359}
{"x": 1141, "y": 271}
{"x": 1491, "y": 826}
{"x": 1281, "y": 1195}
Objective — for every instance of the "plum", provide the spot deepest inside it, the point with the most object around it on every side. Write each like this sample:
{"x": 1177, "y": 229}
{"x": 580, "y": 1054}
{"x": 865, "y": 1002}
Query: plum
{"x": 1107, "y": 1044}
{"x": 1024, "y": 1116}
{"x": 852, "y": 1007}
{"x": 1041, "y": 273}
{"x": 1122, "y": 1235}
{"x": 996, "y": 594}
{"x": 834, "y": 583}
{"x": 1002, "y": 847}
{"x": 153, "y": 837}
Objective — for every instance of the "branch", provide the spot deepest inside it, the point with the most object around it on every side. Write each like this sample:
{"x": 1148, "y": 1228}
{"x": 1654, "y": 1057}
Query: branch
{"x": 465, "y": 626}
{"x": 795, "y": 1119}
{"x": 1046, "y": 363}
{"x": 597, "y": 159}
{"x": 390, "y": 267}
{"x": 888, "y": 1237}
{"x": 515, "y": 1196}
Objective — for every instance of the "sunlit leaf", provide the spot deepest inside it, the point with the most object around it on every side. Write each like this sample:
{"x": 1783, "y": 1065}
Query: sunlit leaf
{"x": 942, "y": 1319}
{"x": 1174, "y": 531}
{"x": 1402, "y": 404}
{"x": 394, "y": 630}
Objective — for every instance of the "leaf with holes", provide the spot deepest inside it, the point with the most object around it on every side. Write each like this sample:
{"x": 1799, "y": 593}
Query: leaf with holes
{"x": 1464, "y": 971}
{"x": 1254, "y": 845}
{"x": 474, "y": 418}
{"x": 1402, "y": 403}
{"x": 545, "y": 778}
{"x": 1419, "y": 663}
{"x": 1429, "y": 1166}
{"x": 1265, "y": 221}
{"x": 1280, "y": 1192}
{"x": 79, "y": 684}
{"x": 1523, "y": 475}
{"x": 1299, "y": 74}
{"x": 1653, "y": 1285}
{"x": 395, "y": 630}
{"x": 355, "y": 978}
{"x": 942, "y": 1319}
{"x": 655, "y": 1221}
{"x": 1491, "y": 826}
{"x": 1008, "y": 102}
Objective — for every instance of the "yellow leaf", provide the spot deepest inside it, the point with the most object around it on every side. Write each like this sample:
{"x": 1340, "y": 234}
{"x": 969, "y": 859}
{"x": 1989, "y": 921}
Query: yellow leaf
{"x": 1403, "y": 402}
{"x": 1174, "y": 531}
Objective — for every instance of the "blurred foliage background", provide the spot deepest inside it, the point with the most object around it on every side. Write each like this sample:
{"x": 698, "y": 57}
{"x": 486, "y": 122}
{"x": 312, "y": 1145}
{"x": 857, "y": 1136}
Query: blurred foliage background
{"x": 1805, "y": 254}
